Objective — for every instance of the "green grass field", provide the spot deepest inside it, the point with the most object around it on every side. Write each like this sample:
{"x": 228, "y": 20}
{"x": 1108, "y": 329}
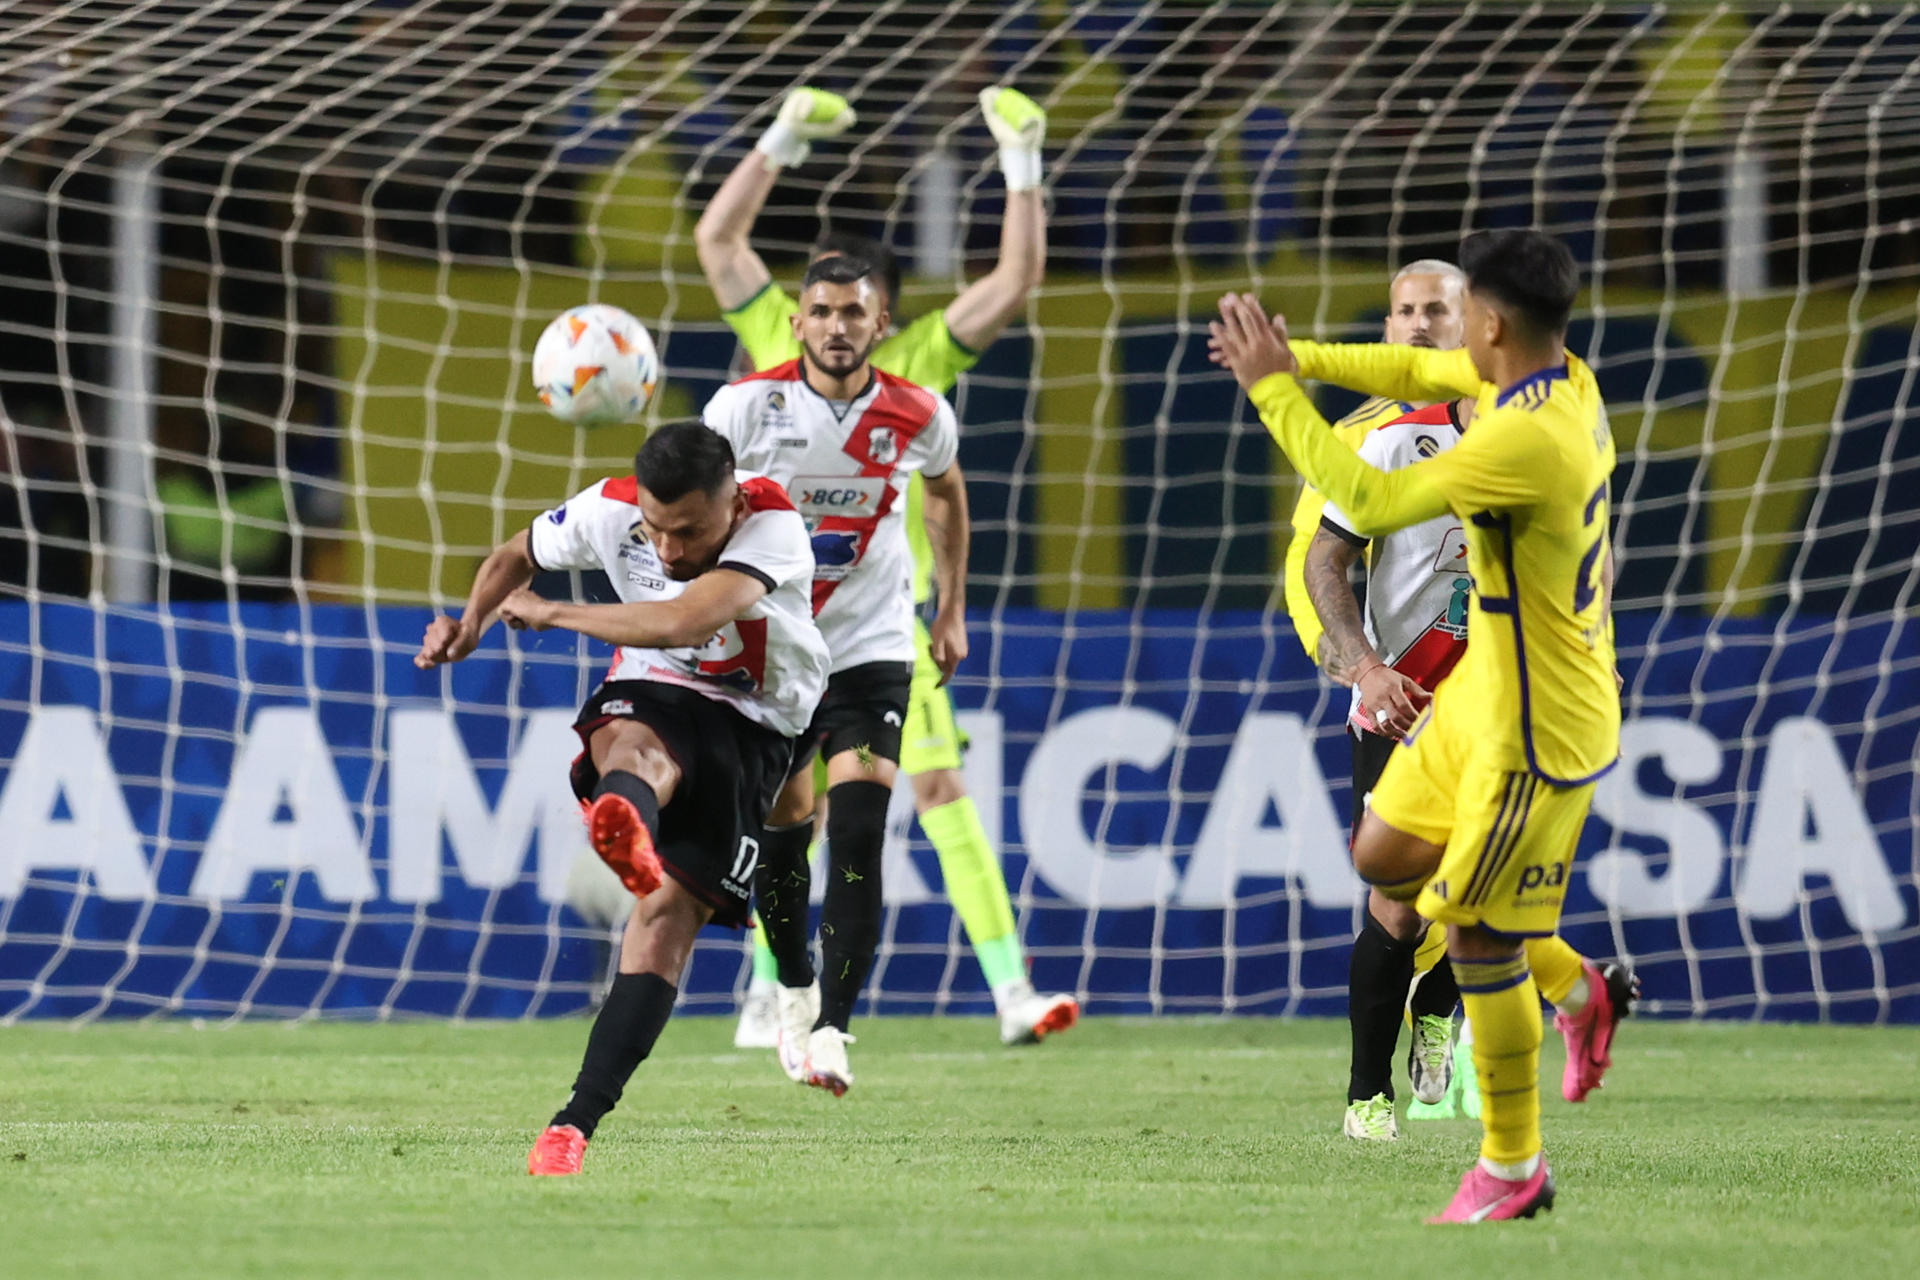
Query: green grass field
{"x": 1127, "y": 1148}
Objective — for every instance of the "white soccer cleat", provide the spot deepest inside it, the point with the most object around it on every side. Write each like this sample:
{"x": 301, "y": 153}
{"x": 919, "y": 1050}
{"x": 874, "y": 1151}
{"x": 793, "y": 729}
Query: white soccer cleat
{"x": 1371, "y": 1120}
{"x": 827, "y": 1060}
{"x": 759, "y": 1025}
{"x": 797, "y": 1009}
{"x": 1027, "y": 1017}
{"x": 1430, "y": 1057}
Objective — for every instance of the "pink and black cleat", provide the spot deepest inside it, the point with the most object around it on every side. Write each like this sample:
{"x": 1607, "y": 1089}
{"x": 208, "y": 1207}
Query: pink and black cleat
{"x": 1612, "y": 988}
{"x": 1485, "y": 1198}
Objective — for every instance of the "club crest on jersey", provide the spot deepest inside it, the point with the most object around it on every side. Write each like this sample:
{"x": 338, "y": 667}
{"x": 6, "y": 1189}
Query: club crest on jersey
{"x": 1452, "y": 555}
{"x": 883, "y": 446}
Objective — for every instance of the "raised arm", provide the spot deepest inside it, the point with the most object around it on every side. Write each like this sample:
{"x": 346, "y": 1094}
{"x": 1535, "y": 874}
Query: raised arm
{"x": 1420, "y": 374}
{"x": 507, "y": 568}
{"x": 722, "y": 237}
{"x": 949, "y": 529}
{"x": 987, "y": 306}
{"x": 689, "y": 620}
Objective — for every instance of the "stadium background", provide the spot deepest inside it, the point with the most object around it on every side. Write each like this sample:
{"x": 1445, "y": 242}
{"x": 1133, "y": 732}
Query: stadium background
{"x": 360, "y": 216}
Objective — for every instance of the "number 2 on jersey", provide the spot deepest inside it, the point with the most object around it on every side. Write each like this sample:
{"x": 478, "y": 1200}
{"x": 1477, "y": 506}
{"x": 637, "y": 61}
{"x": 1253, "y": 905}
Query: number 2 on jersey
{"x": 1587, "y": 583}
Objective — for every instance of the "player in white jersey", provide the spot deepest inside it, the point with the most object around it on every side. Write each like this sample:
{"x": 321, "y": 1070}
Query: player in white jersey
{"x": 845, "y": 438}
{"x": 1414, "y": 631}
{"x": 686, "y": 743}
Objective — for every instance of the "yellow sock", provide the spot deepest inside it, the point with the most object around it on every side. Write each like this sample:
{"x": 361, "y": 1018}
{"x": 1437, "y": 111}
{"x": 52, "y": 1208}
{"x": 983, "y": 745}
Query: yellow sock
{"x": 1556, "y": 967}
{"x": 1503, "y": 1007}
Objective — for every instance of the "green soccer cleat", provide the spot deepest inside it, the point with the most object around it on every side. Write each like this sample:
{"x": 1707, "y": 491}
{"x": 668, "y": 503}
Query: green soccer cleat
{"x": 1430, "y": 1057}
{"x": 1371, "y": 1120}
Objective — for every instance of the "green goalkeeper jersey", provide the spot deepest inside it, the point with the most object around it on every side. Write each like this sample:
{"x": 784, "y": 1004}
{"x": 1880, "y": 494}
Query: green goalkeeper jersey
{"x": 923, "y": 353}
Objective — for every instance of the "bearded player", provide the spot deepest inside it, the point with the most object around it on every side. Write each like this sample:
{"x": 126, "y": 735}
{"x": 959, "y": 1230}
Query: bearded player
{"x": 719, "y": 666}
{"x": 1424, "y": 301}
{"x": 843, "y": 438}
{"x": 931, "y": 351}
{"x": 1476, "y": 819}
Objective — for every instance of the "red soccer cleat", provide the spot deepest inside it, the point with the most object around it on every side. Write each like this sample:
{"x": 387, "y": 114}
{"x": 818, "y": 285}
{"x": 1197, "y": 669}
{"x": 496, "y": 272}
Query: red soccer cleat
{"x": 557, "y": 1152}
{"x": 1485, "y": 1198}
{"x": 1611, "y": 991}
{"x": 616, "y": 833}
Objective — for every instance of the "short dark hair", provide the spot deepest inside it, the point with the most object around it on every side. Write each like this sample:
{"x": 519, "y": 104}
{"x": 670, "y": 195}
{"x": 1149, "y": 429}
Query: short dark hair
{"x": 885, "y": 263}
{"x": 1529, "y": 272}
{"x": 840, "y": 269}
{"x": 682, "y": 458}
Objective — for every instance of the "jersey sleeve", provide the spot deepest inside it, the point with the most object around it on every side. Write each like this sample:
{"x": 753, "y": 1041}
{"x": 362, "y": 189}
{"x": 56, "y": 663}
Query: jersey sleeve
{"x": 771, "y": 546}
{"x": 1389, "y": 369}
{"x": 1503, "y": 463}
{"x": 1380, "y": 449}
{"x": 927, "y": 353}
{"x": 939, "y": 441}
{"x": 1307, "y": 511}
{"x": 764, "y": 325}
{"x": 563, "y": 538}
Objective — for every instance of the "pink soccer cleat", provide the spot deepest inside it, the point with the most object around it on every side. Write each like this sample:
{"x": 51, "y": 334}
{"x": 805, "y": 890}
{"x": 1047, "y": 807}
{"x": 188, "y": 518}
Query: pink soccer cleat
{"x": 557, "y": 1152}
{"x": 1611, "y": 990}
{"x": 1485, "y": 1198}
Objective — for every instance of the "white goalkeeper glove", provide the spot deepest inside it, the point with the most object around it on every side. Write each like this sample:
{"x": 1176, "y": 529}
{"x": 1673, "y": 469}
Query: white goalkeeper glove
{"x": 1019, "y": 125}
{"x": 806, "y": 116}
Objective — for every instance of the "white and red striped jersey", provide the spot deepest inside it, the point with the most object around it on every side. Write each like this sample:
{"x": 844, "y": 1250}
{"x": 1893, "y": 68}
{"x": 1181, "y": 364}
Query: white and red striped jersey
{"x": 770, "y": 664}
{"x": 1417, "y": 583}
{"x": 845, "y": 466}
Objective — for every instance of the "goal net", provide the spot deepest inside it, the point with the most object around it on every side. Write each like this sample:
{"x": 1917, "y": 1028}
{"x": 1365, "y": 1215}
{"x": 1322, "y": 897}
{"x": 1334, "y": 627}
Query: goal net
{"x": 273, "y": 270}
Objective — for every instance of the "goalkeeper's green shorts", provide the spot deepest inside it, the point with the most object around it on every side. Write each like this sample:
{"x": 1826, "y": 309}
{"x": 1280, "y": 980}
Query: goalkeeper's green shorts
{"x": 932, "y": 739}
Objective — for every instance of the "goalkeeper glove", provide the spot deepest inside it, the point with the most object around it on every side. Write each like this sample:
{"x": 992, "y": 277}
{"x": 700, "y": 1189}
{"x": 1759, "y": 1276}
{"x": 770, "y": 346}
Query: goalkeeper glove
{"x": 1019, "y": 125}
{"x": 806, "y": 115}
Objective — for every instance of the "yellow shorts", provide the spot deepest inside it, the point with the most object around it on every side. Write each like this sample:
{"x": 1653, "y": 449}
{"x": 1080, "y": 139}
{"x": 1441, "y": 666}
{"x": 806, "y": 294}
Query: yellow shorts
{"x": 932, "y": 739}
{"x": 1509, "y": 837}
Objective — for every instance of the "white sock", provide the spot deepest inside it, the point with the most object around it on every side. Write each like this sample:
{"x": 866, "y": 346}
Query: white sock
{"x": 1576, "y": 998}
{"x": 1518, "y": 1172}
{"x": 1008, "y": 992}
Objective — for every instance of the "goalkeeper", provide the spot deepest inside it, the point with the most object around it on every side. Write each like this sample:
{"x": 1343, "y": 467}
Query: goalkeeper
{"x": 932, "y": 351}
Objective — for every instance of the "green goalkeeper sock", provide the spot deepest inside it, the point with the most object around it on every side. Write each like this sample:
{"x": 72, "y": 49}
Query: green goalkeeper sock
{"x": 976, "y": 888}
{"x": 765, "y": 968}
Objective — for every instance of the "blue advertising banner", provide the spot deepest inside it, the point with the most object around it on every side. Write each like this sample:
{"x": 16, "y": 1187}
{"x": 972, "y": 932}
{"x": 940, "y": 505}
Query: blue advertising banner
{"x": 269, "y": 811}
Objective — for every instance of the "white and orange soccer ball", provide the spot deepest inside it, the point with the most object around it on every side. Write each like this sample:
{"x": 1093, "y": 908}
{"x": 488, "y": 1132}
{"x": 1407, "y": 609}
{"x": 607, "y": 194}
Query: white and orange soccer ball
{"x": 595, "y": 365}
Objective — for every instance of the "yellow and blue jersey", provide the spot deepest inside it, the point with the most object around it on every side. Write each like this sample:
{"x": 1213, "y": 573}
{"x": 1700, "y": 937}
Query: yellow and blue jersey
{"x": 924, "y": 353}
{"x": 1351, "y": 430}
{"x": 1529, "y": 482}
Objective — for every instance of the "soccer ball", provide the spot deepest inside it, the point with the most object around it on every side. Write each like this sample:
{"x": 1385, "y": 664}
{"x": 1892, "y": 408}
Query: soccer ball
{"x": 595, "y": 365}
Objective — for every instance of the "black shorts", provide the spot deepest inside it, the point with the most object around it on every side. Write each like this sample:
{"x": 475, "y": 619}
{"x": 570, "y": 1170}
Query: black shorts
{"x": 1371, "y": 752}
{"x": 864, "y": 709}
{"x": 730, "y": 771}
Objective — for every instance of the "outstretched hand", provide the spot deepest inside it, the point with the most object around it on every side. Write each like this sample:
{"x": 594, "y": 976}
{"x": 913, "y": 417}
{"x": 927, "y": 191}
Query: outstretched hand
{"x": 1246, "y": 343}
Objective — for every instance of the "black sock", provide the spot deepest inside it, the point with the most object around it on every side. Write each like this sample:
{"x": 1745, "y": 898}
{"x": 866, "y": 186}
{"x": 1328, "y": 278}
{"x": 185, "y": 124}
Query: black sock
{"x": 639, "y": 791}
{"x": 1377, "y": 980}
{"x": 781, "y": 884}
{"x": 623, "y": 1034}
{"x": 1437, "y": 993}
{"x": 850, "y": 917}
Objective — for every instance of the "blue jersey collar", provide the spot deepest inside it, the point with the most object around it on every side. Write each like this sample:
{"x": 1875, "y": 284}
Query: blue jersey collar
{"x": 1539, "y": 379}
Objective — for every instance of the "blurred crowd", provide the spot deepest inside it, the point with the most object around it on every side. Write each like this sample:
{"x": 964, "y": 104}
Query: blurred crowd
{"x": 467, "y": 131}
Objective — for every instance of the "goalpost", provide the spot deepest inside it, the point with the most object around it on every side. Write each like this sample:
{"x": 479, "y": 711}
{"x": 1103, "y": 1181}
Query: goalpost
{"x": 270, "y": 276}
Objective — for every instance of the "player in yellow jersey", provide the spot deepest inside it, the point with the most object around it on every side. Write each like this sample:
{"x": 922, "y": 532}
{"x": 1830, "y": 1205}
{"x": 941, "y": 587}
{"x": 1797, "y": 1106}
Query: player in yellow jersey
{"x": 932, "y": 351}
{"x": 1477, "y": 816}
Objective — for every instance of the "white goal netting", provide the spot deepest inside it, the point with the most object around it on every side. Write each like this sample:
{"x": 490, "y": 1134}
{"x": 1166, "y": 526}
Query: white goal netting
{"x": 270, "y": 276}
